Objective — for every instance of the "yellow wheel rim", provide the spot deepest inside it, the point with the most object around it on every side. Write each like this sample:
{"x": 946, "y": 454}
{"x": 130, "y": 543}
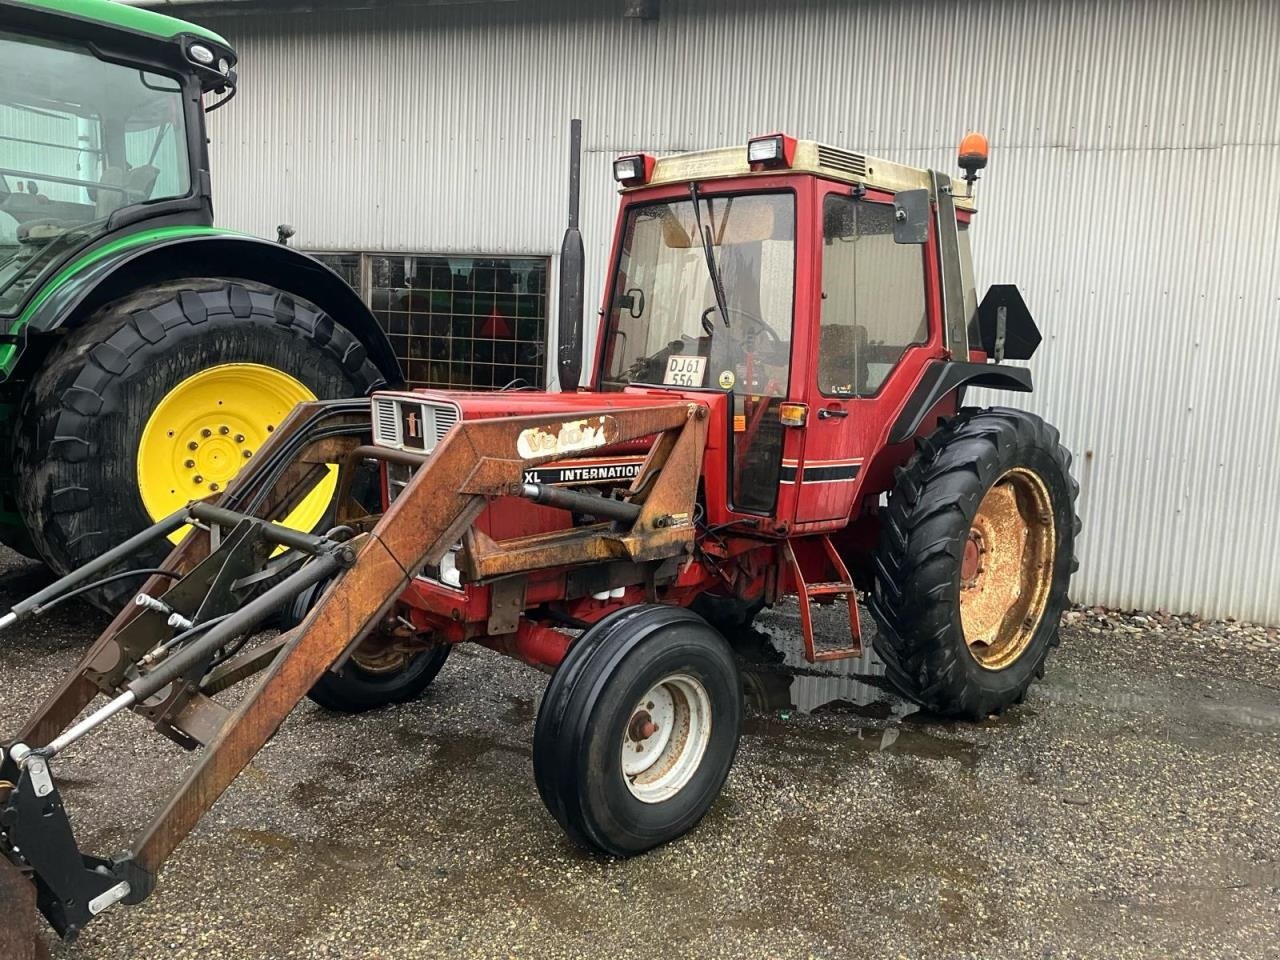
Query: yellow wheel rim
{"x": 1007, "y": 570}
{"x": 208, "y": 427}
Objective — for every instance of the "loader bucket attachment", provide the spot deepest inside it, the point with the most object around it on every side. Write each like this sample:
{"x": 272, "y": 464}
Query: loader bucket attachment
{"x": 193, "y": 632}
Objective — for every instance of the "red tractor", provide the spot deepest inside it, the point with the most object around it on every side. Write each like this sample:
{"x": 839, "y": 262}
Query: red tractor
{"x": 774, "y": 409}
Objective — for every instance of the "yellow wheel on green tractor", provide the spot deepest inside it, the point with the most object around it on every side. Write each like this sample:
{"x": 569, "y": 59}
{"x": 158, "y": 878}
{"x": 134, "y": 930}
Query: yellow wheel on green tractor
{"x": 161, "y": 398}
{"x": 210, "y": 425}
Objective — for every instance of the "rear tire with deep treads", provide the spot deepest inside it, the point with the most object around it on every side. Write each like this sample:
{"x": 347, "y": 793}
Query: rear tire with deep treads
{"x": 581, "y": 740}
{"x": 83, "y": 415}
{"x": 924, "y": 533}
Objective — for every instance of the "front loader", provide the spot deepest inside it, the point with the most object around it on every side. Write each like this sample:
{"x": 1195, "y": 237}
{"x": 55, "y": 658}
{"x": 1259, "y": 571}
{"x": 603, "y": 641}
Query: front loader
{"x": 774, "y": 410}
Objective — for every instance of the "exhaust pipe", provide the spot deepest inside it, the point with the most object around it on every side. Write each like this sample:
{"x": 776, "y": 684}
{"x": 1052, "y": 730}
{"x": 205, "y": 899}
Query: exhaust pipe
{"x": 572, "y": 274}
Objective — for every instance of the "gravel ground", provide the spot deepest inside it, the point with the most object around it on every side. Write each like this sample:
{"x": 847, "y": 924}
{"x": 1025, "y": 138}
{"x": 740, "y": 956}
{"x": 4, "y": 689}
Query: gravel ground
{"x": 1128, "y": 809}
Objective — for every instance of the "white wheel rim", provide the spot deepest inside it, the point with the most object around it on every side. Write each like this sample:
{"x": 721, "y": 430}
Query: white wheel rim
{"x": 665, "y": 738}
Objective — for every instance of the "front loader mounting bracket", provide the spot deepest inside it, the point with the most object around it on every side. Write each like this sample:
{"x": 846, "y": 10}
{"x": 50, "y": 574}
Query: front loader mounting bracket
{"x": 71, "y": 887}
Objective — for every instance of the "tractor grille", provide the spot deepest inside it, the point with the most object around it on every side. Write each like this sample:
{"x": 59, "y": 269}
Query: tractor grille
{"x": 854, "y": 163}
{"x": 386, "y": 425}
{"x": 412, "y": 424}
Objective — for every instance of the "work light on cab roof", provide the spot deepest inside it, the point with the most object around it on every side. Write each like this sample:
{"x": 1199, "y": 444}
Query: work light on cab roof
{"x": 633, "y": 170}
{"x": 774, "y": 151}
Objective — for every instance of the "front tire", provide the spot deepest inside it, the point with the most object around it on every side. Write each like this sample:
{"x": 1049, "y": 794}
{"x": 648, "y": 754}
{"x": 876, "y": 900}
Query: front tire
{"x": 637, "y": 729}
{"x": 976, "y": 552}
{"x": 223, "y": 359}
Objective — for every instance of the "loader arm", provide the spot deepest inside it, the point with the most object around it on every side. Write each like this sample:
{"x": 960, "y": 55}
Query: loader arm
{"x": 184, "y": 640}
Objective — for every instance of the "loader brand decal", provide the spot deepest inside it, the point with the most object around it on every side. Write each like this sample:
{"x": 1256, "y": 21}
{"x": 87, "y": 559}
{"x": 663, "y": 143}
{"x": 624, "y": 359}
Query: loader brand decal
{"x": 820, "y": 471}
{"x": 411, "y": 427}
{"x": 585, "y": 471}
{"x": 568, "y": 437}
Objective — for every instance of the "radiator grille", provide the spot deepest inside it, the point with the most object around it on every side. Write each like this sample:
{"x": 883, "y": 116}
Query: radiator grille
{"x": 390, "y": 414}
{"x": 854, "y": 163}
{"x": 446, "y": 417}
{"x": 386, "y": 424}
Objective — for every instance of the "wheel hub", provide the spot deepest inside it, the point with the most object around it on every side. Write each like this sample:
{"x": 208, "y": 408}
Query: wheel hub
{"x": 666, "y": 738}
{"x": 1007, "y": 568}
{"x": 209, "y": 426}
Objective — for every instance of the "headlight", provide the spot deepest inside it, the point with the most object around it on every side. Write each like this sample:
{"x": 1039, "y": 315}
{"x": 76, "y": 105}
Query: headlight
{"x": 201, "y": 54}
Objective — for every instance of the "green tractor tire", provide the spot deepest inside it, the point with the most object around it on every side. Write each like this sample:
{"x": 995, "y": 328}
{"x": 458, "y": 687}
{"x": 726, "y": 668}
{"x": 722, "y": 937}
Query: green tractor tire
{"x": 159, "y": 399}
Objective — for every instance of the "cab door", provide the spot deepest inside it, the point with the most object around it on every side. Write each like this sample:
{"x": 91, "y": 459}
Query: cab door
{"x": 873, "y": 334}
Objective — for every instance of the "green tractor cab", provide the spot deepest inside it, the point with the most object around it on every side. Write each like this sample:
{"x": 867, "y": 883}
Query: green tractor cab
{"x": 144, "y": 354}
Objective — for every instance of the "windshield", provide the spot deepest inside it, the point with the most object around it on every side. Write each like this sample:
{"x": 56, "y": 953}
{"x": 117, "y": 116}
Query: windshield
{"x": 79, "y": 140}
{"x": 664, "y": 325}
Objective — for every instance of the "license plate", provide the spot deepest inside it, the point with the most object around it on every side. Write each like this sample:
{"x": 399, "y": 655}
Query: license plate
{"x": 685, "y": 371}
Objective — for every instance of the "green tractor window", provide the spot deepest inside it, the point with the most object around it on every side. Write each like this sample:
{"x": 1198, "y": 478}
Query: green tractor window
{"x": 80, "y": 139}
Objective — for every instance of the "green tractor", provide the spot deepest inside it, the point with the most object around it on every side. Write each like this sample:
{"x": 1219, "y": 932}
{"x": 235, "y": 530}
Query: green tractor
{"x": 145, "y": 355}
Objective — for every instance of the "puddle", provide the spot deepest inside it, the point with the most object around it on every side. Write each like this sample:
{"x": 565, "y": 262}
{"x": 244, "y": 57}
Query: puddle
{"x": 784, "y": 680}
{"x": 905, "y": 738}
{"x": 462, "y": 749}
{"x": 521, "y": 711}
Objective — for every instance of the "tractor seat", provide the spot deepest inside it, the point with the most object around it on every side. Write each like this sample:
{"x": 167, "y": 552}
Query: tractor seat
{"x": 42, "y": 231}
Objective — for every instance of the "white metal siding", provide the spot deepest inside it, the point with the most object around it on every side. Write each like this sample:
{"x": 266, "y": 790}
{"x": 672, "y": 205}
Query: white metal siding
{"x": 1132, "y": 195}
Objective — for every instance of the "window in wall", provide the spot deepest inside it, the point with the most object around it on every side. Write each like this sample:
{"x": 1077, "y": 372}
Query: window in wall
{"x": 345, "y": 265}
{"x": 456, "y": 322}
{"x": 873, "y": 304}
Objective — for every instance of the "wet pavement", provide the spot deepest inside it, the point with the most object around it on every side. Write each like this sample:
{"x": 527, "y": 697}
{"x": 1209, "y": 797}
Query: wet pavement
{"x": 1131, "y": 808}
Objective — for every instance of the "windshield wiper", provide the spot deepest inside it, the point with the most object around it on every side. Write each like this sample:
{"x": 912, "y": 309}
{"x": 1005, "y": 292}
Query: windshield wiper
{"x": 717, "y": 286}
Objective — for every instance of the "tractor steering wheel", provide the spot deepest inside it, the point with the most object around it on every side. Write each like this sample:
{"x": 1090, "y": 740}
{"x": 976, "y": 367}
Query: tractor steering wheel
{"x": 756, "y": 321}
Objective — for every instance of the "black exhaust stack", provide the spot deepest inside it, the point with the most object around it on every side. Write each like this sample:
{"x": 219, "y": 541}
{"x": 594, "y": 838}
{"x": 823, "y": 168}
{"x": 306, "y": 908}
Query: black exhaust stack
{"x": 572, "y": 273}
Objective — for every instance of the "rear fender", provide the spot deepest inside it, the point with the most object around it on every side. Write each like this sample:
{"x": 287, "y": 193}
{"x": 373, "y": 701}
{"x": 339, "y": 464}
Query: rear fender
{"x": 203, "y": 253}
{"x": 944, "y": 377}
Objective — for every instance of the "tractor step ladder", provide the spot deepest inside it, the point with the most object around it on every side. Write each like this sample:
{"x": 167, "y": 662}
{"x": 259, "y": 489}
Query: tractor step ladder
{"x": 824, "y": 577}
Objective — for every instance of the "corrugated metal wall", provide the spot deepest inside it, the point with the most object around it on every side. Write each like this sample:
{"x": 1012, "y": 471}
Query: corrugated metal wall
{"x": 1133, "y": 195}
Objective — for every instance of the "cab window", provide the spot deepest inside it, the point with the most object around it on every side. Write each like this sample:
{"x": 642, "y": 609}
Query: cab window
{"x": 873, "y": 297}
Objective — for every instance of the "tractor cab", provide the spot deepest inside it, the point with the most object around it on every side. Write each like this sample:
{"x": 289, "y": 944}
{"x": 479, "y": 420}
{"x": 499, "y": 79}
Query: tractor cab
{"x": 802, "y": 287}
{"x": 784, "y": 277}
{"x": 102, "y": 126}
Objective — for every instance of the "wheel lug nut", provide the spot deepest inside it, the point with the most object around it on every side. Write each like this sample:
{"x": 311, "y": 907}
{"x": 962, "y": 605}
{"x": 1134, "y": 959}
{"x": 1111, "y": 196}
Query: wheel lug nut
{"x": 197, "y": 479}
{"x": 188, "y": 464}
{"x": 193, "y": 445}
{"x": 213, "y": 487}
{"x": 248, "y": 454}
{"x": 239, "y": 438}
{"x": 206, "y": 432}
{"x": 224, "y": 430}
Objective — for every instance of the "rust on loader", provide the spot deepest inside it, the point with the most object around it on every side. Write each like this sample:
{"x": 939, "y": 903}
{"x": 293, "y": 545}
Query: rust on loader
{"x": 371, "y": 563}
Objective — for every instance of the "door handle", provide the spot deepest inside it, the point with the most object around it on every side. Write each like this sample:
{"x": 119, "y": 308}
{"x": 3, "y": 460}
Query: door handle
{"x": 828, "y": 413}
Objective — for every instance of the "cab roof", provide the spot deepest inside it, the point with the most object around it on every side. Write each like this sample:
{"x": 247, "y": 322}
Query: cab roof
{"x": 114, "y": 16}
{"x": 819, "y": 159}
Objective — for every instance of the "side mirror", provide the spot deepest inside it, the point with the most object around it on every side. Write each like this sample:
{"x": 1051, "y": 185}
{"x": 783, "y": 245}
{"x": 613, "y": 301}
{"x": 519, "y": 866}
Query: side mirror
{"x": 911, "y": 216}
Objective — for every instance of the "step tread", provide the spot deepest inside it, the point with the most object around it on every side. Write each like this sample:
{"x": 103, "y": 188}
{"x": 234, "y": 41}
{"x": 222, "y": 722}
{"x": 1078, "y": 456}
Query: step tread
{"x": 829, "y": 588}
